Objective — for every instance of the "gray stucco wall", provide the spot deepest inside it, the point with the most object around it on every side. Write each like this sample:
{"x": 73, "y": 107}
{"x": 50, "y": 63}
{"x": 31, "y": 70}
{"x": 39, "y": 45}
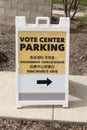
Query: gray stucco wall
{"x": 29, "y": 8}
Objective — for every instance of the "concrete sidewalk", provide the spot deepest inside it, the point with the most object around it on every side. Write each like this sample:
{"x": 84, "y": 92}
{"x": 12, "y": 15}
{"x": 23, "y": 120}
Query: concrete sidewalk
{"x": 77, "y": 110}
{"x": 58, "y": 9}
{"x": 61, "y": 12}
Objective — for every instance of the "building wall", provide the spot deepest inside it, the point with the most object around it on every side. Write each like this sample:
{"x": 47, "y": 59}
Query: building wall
{"x": 29, "y": 8}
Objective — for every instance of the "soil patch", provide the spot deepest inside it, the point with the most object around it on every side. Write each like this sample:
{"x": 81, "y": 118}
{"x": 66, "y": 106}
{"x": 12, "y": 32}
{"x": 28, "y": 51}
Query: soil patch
{"x": 12, "y": 124}
{"x": 78, "y": 48}
{"x": 7, "y": 48}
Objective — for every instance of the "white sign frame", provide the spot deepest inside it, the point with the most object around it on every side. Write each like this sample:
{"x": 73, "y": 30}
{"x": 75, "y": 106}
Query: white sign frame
{"x": 63, "y": 26}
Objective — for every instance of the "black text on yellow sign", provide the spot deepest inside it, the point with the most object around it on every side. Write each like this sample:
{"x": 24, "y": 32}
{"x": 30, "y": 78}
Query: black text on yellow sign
{"x": 42, "y": 52}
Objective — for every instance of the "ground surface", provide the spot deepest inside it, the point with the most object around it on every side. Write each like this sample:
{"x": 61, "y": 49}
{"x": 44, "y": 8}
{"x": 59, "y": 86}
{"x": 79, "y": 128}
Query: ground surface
{"x": 7, "y": 46}
{"x": 78, "y": 52}
{"x": 9, "y": 124}
{"x": 78, "y": 49}
{"x": 77, "y": 111}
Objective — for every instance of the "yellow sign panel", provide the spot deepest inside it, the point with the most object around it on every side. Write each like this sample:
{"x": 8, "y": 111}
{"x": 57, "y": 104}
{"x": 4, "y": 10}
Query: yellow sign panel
{"x": 41, "y": 52}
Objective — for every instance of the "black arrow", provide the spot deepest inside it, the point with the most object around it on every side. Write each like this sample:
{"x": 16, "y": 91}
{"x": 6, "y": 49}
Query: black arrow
{"x": 48, "y": 81}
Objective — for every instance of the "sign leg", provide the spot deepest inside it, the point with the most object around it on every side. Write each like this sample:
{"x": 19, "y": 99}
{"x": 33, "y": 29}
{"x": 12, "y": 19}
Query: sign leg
{"x": 65, "y": 105}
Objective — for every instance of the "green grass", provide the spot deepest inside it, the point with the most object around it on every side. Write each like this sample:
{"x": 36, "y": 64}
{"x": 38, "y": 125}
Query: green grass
{"x": 83, "y": 21}
{"x": 57, "y": 1}
{"x": 82, "y": 2}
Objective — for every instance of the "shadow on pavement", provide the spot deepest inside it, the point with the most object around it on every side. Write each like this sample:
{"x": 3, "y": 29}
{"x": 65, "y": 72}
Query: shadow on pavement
{"x": 78, "y": 93}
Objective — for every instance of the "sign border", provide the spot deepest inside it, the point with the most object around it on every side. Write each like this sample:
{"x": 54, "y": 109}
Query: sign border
{"x": 63, "y": 26}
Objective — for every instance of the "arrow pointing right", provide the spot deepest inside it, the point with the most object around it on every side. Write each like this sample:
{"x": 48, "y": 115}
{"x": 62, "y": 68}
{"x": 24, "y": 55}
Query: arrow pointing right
{"x": 48, "y": 81}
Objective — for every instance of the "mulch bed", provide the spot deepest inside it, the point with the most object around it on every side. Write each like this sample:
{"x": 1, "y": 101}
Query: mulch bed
{"x": 19, "y": 124}
{"x": 78, "y": 48}
{"x": 7, "y": 48}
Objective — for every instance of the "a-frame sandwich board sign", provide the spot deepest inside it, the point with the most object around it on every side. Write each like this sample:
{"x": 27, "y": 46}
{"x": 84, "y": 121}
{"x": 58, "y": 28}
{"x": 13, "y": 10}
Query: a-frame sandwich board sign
{"x": 42, "y": 62}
